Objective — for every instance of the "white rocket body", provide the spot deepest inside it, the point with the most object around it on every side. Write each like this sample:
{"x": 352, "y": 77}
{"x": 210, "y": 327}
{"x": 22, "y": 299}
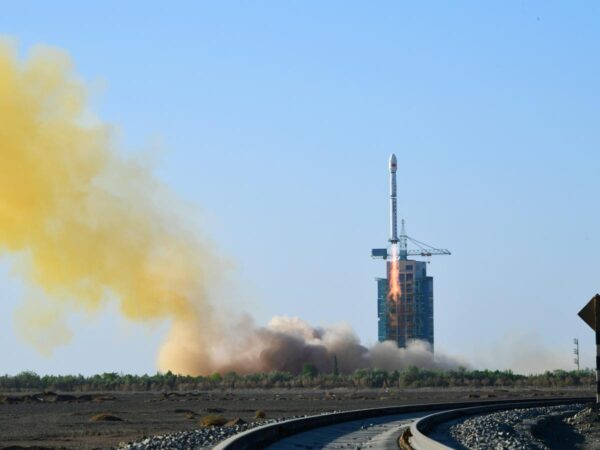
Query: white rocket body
{"x": 393, "y": 201}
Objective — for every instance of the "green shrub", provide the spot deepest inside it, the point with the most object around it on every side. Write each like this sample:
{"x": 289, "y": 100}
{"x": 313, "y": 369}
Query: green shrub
{"x": 309, "y": 370}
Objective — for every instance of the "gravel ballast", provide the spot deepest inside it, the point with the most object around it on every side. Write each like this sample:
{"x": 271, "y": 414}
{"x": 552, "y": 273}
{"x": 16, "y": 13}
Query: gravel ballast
{"x": 510, "y": 429}
{"x": 200, "y": 439}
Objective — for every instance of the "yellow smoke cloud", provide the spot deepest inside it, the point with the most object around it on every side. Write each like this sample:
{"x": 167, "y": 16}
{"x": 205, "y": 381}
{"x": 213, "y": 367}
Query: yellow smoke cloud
{"x": 88, "y": 225}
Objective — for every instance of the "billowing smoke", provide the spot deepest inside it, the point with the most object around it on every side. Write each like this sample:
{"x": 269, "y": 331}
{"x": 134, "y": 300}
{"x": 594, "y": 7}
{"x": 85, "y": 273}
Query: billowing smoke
{"x": 286, "y": 344}
{"x": 89, "y": 227}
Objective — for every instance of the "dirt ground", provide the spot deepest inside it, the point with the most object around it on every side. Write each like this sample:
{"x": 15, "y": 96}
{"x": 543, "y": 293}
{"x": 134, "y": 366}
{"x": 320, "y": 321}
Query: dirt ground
{"x": 64, "y": 421}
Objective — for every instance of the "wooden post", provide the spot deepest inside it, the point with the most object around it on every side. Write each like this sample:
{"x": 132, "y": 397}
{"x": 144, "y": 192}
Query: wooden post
{"x": 591, "y": 315}
{"x": 597, "y": 331}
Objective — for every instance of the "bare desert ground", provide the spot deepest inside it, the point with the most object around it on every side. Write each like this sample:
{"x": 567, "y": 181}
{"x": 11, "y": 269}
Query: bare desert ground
{"x": 64, "y": 420}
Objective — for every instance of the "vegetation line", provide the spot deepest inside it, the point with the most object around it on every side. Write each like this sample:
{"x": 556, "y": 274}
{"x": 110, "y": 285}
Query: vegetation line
{"x": 411, "y": 377}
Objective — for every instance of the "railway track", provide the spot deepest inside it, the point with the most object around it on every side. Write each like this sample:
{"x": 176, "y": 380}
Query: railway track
{"x": 378, "y": 433}
{"x": 375, "y": 428}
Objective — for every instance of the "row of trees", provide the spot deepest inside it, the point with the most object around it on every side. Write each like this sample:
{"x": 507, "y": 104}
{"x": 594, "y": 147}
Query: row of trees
{"x": 411, "y": 377}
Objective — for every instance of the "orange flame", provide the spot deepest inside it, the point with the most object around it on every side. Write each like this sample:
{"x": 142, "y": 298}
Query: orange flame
{"x": 394, "y": 275}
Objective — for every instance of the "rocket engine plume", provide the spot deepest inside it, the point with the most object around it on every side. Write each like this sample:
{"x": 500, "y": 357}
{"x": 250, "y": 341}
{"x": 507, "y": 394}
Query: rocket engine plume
{"x": 90, "y": 227}
{"x": 394, "y": 275}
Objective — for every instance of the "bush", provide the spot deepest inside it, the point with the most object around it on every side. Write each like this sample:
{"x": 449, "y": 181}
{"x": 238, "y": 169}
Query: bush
{"x": 106, "y": 417}
{"x": 309, "y": 370}
{"x": 213, "y": 420}
{"x": 260, "y": 414}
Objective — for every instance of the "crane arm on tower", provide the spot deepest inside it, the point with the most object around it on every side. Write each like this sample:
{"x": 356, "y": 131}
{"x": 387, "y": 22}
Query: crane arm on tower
{"x": 425, "y": 249}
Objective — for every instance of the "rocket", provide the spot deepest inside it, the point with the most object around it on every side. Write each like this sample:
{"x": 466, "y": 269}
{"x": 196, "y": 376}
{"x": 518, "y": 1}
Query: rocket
{"x": 393, "y": 201}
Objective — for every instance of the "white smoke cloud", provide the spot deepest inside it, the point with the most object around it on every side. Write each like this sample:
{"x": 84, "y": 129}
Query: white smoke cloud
{"x": 286, "y": 344}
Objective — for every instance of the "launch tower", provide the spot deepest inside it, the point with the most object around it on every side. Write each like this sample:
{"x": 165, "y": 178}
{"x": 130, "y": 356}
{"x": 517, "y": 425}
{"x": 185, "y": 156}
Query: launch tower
{"x": 405, "y": 296}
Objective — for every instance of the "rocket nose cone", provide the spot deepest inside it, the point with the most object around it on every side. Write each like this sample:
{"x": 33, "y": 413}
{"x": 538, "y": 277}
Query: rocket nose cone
{"x": 393, "y": 163}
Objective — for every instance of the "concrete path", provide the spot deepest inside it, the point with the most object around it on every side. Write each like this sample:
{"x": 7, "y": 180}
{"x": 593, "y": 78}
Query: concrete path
{"x": 380, "y": 433}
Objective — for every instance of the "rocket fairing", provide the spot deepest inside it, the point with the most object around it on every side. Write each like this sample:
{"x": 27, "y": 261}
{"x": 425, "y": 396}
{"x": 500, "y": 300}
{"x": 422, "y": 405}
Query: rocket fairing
{"x": 393, "y": 201}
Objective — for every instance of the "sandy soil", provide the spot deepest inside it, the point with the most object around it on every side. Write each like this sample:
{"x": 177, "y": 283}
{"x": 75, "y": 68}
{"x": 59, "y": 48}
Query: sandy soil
{"x": 65, "y": 422}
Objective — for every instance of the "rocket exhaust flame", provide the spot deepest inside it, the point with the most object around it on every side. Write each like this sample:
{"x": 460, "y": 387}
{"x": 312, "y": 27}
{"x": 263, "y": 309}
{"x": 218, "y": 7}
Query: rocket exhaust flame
{"x": 394, "y": 275}
{"x": 92, "y": 227}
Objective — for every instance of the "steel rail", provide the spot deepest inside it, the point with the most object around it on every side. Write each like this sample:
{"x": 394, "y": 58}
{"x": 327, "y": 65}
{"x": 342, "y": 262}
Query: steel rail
{"x": 261, "y": 437}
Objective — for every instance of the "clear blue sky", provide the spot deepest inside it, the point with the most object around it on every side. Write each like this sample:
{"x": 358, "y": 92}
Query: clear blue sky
{"x": 277, "y": 119}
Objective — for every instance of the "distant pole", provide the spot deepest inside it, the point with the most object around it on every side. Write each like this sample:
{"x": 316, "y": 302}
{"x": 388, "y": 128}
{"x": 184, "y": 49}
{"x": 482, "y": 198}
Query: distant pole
{"x": 576, "y": 352}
